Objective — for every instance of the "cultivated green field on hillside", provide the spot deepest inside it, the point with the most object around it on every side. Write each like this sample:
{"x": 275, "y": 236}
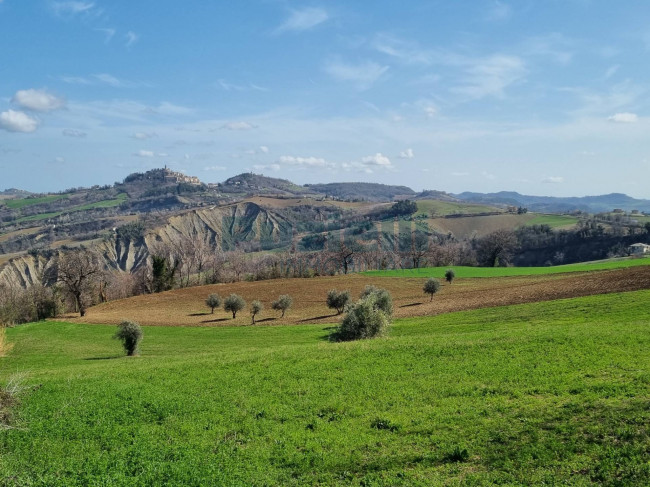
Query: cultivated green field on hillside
{"x": 465, "y": 271}
{"x": 18, "y": 203}
{"x": 546, "y": 393}
{"x": 442, "y": 208}
{"x": 553, "y": 221}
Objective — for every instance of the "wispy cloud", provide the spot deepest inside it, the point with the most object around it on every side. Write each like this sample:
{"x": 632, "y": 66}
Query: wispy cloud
{"x": 100, "y": 79}
{"x": 363, "y": 75}
{"x": 226, "y": 86}
{"x": 491, "y": 76}
{"x": 71, "y": 8}
{"x": 144, "y": 135}
{"x": 303, "y": 19}
{"x": 625, "y": 117}
{"x": 499, "y": 11}
{"x": 305, "y": 161}
{"x": 407, "y": 154}
{"x": 553, "y": 180}
{"x": 74, "y": 133}
{"x": 108, "y": 34}
{"x": 130, "y": 38}
{"x": 214, "y": 168}
{"x": 238, "y": 126}
{"x": 267, "y": 167}
{"x": 144, "y": 153}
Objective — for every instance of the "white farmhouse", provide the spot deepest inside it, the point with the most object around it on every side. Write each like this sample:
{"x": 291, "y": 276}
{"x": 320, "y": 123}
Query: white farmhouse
{"x": 640, "y": 249}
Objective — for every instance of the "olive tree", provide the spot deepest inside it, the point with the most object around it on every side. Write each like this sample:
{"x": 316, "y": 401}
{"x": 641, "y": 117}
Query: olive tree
{"x": 382, "y": 298}
{"x": 283, "y": 303}
{"x": 431, "y": 287}
{"x": 256, "y": 308}
{"x": 363, "y": 320}
{"x": 337, "y": 300}
{"x": 130, "y": 334}
{"x": 234, "y": 303}
{"x": 450, "y": 275}
{"x": 213, "y": 301}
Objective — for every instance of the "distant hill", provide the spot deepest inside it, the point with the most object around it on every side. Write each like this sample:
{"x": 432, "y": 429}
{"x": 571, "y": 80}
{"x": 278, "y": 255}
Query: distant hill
{"x": 551, "y": 204}
{"x": 250, "y": 184}
{"x": 15, "y": 192}
{"x": 362, "y": 191}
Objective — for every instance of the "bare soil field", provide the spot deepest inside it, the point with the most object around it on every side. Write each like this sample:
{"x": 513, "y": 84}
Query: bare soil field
{"x": 185, "y": 307}
{"x": 478, "y": 225}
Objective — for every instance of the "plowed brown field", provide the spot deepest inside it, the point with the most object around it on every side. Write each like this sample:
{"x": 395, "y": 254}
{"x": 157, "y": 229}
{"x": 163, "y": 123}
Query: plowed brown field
{"x": 185, "y": 307}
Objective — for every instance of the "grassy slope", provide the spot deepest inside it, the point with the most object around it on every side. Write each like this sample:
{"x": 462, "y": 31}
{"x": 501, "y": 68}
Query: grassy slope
{"x": 23, "y": 202}
{"x": 554, "y": 221}
{"x": 441, "y": 208}
{"x": 462, "y": 271}
{"x": 548, "y": 392}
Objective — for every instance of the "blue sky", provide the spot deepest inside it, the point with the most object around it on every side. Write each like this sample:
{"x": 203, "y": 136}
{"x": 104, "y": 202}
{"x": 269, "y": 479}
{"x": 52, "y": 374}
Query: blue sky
{"x": 542, "y": 97}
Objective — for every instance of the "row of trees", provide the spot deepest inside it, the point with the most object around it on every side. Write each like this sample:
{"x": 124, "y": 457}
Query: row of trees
{"x": 235, "y": 303}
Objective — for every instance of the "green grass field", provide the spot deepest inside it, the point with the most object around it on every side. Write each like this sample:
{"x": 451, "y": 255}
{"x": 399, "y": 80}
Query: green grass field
{"x": 539, "y": 394}
{"x": 442, "y": 208}
{"x": 553, "y": 221}
{"x": 16, "y": 204}
{"x": 464, "y": 271}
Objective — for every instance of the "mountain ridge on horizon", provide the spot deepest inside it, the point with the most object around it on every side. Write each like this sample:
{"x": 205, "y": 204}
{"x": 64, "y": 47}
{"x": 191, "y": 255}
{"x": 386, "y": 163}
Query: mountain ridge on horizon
{"x": 261, "y": 184}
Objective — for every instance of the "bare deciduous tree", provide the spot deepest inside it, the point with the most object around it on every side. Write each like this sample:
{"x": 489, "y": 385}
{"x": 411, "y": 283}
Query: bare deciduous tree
{"x": 77, "y": 271}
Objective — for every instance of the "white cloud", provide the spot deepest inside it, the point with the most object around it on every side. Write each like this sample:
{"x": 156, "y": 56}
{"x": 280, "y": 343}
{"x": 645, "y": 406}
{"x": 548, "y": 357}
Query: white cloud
{"x": 270, "y": 167}
{"x": 405, "y": 51}
{"x": 624, "y": 117}
{"x": 407, "y": 154}
{"x": 377, "y": 160}
{"x": 214, "y": 168}
{"x": 491, "y": 76}
{"x": 303, "y": 19}
{"x": 304, "y": 161}
{"x": 37, "y": 100}
{"x": 553, "y": 180}
{"x": 14, "y": 121}
{"x": 74, "y": 133}
{"x": 238, "y": 126}
{"x": 130, "y": 38}
{"x": 363, "y": 74}
{"x": 487, "y": 175}
{"x": 144, "y": 153}
{"x": 264, "y": 149}
{"x": 144, "y": 135}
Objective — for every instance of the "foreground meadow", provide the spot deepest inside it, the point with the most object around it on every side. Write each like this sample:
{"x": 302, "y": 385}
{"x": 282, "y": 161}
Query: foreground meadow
{"x": 542, "y": 393}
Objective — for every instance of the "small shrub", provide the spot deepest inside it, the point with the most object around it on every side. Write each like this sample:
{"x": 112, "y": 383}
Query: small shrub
{"x": 431, "y": 287}
{"x": 256, "y": 308}
{"x": 234, "y": 303}
{"x": 338, "y": 300}
{"x": 450, "y": 275}
{"x": 457, "y": 455}
{"x": 282, "y": 304}
{"x": 213, "y": 301}
{"x": 363, "y": 320}
{"x": 383, "y": 299}
{"x": 130, "y": 334}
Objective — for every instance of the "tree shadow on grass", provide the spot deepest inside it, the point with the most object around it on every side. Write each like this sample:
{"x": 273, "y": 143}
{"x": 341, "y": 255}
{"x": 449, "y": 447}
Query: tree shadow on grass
{"x": 218, "y": 320}
{"x": 318, "y": 318}
{"x": 199, "y": 314}
{"x": 265, "y": 320}
{"x": 410, "y": 304}
{"x": 110, "y": 357}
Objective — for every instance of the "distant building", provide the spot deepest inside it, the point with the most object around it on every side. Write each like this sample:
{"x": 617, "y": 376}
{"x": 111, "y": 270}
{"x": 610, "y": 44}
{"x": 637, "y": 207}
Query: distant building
{"x": 640, "y": 249}
{"x": 179, "y": 177}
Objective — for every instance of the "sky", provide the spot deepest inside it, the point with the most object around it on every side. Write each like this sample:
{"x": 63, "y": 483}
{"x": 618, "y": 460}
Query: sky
{"x": 542, "y": 97}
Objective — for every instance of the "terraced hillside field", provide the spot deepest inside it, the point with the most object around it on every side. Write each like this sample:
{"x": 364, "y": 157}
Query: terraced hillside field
{"x": 185, "y": 307}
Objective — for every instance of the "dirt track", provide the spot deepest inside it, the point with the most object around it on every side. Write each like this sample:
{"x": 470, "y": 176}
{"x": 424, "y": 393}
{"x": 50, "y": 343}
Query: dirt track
{"x": 185, "y": 307}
